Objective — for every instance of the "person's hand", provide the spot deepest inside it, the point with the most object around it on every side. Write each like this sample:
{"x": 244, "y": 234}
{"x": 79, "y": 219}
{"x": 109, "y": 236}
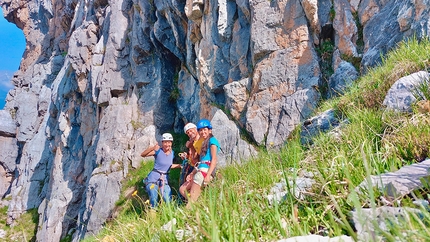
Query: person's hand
{"x": 188, "y": 177}
{"x": 156, "y": 147}
{"x": 183, "y": 155}
{"x": 207, "y": 179}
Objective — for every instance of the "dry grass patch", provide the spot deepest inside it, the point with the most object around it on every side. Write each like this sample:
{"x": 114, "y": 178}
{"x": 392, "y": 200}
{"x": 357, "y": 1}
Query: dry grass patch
{"x": 409, "y": 137}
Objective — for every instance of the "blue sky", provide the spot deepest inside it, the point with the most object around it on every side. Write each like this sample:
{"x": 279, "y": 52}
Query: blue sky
{"x": 12, "y": 45}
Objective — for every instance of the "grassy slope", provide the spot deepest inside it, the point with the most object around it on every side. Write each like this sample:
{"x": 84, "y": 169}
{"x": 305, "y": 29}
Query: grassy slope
{"x": 235, "y": 207}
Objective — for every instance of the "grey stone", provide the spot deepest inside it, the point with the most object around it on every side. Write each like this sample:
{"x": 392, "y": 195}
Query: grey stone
{"x": 318, "y": 124}
{"x": 386, "y": 23}
{"x": 189, "y": 102}
{"x": 310, "y": 8}
{"x": 8, "y": 153}
{"x": 372, "y": 223}
{"x": 233, "y": 148}
{"x": 7, "y": 124}
{"x": 399, "y": 183}
{"x": 240, "y": 67}
{"x": 265, "y": 19}
{"x": 345, "y": 28}
{"x": 324, "y": 8}
{"x": 237, "y": 95}
{"x": 2, "y": 234}
{"x": 342, "y": 79}
{"x": 101, "y": 195}
{"x": 296, "y": 186}
{"x": 26, "y": 115}
{"x": 226, "y": 11}
{"x": 400, "y": 97}
{"x": 280, "y": 100}
{"x": 318, "y": 238}
{"x": 5, "y": 181}
{"x": 169, "y": 225}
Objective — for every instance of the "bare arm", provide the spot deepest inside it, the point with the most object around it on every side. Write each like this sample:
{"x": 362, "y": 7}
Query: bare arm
{"x": 150, "y": 151}
{"x": 213, "y": 163}
{"x": 174, "y": 166}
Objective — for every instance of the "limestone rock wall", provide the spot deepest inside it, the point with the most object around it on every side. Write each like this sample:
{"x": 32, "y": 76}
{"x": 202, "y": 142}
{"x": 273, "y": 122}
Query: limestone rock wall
{"x": 101, "y": 80}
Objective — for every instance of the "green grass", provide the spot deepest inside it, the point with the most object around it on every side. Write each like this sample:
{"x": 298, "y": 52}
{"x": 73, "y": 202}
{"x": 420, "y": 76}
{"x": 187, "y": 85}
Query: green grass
{"x": 25, "y": 227}
{"x": 235, "y": 207}
{"x": 369, "y": 92}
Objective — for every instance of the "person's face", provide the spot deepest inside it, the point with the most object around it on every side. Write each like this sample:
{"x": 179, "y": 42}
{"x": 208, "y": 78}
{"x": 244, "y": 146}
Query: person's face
{"x": 204, "y": 132}
{"x": 192, "y": 133}
{"x": 167, "y": 145}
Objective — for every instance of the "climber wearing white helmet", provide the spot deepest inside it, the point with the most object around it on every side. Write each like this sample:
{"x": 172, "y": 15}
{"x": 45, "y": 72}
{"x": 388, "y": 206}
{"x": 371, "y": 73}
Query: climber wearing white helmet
{"x": 194, "y": 144}
{"x": 191, "y": 158}
{"x": 157, "y": 180}
{"x": 205, "y": 170}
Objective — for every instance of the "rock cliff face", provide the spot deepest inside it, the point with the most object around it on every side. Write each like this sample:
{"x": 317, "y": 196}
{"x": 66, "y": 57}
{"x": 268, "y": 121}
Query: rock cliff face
{"x": 101, "y": 80}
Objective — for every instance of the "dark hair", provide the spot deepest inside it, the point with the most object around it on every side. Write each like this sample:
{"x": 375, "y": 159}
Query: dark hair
{"x": 205, "y": 145}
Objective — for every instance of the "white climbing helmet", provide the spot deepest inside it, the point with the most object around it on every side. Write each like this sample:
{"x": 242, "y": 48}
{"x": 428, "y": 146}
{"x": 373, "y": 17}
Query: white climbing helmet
{"x": 189, "y": 126}
{"x": 167, "y": 136}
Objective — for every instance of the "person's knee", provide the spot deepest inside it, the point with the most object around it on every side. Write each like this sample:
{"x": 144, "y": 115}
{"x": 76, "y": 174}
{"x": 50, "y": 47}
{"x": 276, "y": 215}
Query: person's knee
{"x": 152, "y": 191}
{"x": 167, "y": 194}
{"x": 167, "y": 190}
{"x": 182, "y": 190}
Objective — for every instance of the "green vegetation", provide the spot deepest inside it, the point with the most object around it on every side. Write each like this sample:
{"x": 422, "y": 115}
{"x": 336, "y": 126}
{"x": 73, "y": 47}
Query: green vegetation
{"x": 235, "y": 207}
{"x": 137, "y": 8}
{"x": 25, "y": 226}
{"x": 355, "y": 61}
{"x": 13, "y": 112}
{"x": 137, "y": 125}
{"x": 325, "y": 51}
{"x": 175, "y": 93}
{"x": 332, "y": 14}
{"x": 422, "y": 92}
{"x": 409, "y": 57}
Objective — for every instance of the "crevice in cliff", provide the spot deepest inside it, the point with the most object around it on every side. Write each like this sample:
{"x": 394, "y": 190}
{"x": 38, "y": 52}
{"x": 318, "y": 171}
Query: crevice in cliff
{"x": 8, "y": 178}
{"x": 325, "y": 53}
{"x": 7, "y": 134}
{"x": 117, "y": 93}
{"x": 101, "y": 3}
{"x": 15, "y": 173}
{"x": 20, "y": 145}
